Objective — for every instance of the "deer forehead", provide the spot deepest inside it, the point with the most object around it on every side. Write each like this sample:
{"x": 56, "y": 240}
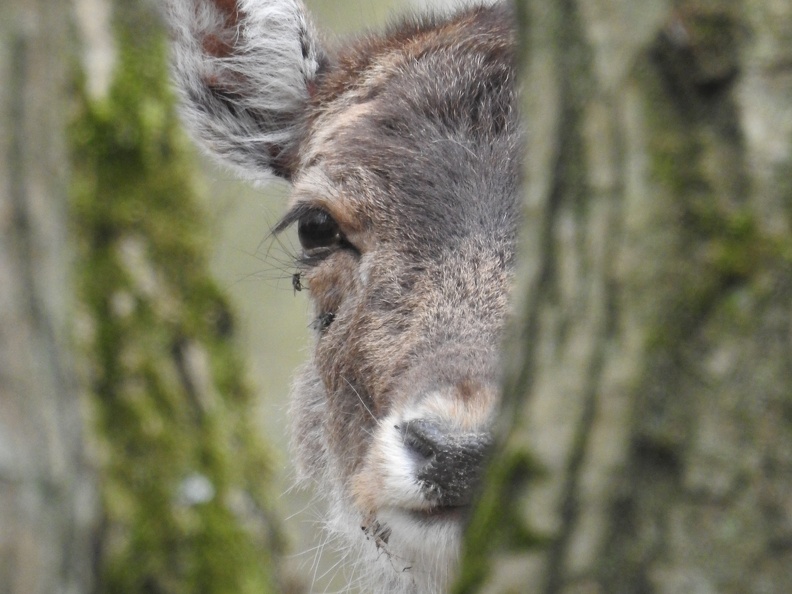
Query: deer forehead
{"x": 394, "y": 131}
{"x": 428, "y": 185}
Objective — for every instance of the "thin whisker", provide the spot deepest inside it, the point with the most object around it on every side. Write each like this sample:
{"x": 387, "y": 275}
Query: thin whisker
{"x": 361, "y": 399}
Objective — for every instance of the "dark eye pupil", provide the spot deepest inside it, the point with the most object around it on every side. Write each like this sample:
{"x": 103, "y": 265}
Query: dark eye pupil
{"x": 317, "y": 230}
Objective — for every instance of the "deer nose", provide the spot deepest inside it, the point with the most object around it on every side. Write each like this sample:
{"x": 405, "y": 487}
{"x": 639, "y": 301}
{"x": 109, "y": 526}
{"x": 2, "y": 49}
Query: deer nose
{"x": 449, "y": 463}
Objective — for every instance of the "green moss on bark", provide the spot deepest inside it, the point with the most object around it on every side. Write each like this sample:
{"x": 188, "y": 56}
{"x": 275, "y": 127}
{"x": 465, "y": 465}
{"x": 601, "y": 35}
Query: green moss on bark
{"x": 184, "y": 474}
{"x": 498, "y": 508}
{"x": 696, "y": 152}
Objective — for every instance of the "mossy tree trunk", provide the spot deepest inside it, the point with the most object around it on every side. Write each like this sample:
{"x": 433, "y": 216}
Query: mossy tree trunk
{"x": 184, "y": 474}
{"x": 47, "y": 490}
{"x": 649, "y": 391}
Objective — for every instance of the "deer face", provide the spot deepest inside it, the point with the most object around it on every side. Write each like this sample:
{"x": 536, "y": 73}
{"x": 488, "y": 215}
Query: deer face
{"x": 404, "y": 153}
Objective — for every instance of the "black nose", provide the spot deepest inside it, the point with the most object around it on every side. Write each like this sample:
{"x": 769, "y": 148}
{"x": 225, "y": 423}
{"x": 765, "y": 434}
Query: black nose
{"x": 449, "y": 463}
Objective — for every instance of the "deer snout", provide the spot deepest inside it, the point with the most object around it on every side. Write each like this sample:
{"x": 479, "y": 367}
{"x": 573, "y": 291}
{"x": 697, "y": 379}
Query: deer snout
{"x": 428, "y": 455}
{"x": 449, "y": 463}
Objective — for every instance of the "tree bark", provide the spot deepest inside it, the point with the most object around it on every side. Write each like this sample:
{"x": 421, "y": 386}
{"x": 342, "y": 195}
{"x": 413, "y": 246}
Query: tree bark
{"x": 47, "y": 502}
{"x": 648, "y": 397}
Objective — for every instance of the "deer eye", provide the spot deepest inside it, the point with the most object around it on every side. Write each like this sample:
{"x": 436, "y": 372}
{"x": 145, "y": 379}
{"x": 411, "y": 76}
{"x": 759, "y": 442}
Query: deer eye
{"x": 317, "y": 230}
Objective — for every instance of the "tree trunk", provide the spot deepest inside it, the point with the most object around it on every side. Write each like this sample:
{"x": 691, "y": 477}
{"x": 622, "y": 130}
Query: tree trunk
{"x": 649, "y": 395}
{"x": 47, "y": 502}
{"x": 185, "y": 473}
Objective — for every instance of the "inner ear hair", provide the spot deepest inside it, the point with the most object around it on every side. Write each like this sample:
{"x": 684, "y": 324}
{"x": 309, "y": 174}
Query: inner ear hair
{"x": 244, "y": 70}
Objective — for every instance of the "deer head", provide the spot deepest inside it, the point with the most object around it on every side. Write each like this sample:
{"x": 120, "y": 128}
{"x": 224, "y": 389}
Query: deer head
{"x": 404, "y": 155}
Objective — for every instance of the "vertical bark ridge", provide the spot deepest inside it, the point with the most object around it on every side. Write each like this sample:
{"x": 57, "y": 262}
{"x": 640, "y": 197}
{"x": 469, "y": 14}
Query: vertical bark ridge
{"x": 571, "y": 189}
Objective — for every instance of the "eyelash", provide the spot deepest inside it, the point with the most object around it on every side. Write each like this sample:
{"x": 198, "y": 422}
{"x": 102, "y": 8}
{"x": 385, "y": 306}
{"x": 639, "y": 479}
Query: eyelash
{"x": 319, "y": 234}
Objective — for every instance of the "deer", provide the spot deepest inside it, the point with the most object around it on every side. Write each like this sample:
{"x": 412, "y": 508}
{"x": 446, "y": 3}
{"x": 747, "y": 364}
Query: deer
{"x": 404, "y": 153}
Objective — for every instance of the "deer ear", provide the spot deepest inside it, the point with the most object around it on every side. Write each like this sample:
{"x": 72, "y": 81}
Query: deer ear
{"x": 243, "y": 69}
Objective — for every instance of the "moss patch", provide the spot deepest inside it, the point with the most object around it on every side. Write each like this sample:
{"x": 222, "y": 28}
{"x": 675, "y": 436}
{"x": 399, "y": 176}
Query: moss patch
{"x": 696, "y": 152}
